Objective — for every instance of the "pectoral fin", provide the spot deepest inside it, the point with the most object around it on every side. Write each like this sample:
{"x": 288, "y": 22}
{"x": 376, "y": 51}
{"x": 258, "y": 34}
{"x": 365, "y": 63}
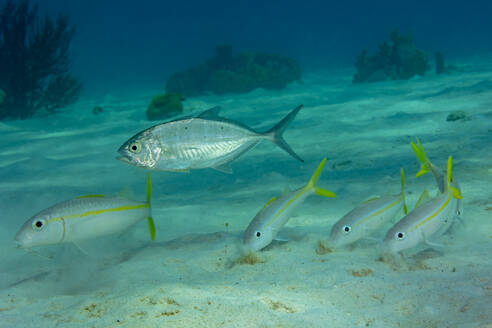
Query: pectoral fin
{"x": 224, "y": 168}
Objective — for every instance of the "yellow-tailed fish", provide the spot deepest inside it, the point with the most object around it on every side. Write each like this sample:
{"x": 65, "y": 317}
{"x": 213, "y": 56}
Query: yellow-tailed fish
{"x": 439, "y": 176}
{"x": 367, "y": 217}
{"x": 84, "y": 218}
{"x": 277, "y": 211}
{"x": 426, "y": 222}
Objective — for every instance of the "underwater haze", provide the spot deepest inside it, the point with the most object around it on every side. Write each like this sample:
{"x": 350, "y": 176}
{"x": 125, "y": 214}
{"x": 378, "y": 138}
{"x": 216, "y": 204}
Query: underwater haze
{"x": 86, "y": 127}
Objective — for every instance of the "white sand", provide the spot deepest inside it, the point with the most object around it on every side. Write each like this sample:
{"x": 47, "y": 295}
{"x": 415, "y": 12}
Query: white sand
{"x": 187, "y": 278}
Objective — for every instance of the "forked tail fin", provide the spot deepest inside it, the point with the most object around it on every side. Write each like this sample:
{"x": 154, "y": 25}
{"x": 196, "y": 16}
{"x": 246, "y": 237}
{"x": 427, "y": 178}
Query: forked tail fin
{"x": 150, "y": 221}
{"x": 449, "y": 174}
{"x": 275, "y": 133}
{"x": 426, "y": 166}
{"x": 405, "y": 210}
{"x": 314, "y": 179}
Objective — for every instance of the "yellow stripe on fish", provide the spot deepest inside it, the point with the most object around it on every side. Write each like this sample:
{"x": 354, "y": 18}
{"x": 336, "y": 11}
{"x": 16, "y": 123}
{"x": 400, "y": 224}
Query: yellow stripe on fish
{"x": 88, "y": 213}
{"x": 277, "y": 211}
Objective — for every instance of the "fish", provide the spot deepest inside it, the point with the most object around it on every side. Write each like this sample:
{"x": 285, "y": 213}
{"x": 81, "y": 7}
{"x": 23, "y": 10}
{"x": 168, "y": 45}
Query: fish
{"x": 367, "y": 217}
{"x": 84, "y": 218}
{"x": 199, "y": 142}
{"x": 439, "y": 175}
{"x": 264, "y": 227}
{"x": 427, "y": 221}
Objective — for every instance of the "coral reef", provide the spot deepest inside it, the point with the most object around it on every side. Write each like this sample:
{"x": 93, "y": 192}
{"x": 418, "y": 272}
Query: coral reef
{"x": 34, "y": 61}
{"x": 165, "y": 106}
{"x": 97, "y": 110}
{"x": 397, "y": 60}
{"x": 458, "y": 116}
{"x": 227, "y": 72}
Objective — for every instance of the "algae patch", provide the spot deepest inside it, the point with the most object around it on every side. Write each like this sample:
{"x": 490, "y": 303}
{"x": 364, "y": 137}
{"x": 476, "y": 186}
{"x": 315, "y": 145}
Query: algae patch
{"x": 321, "y": 249}
{"x": 249, "y": 258}
{"x": 361, "y": 272}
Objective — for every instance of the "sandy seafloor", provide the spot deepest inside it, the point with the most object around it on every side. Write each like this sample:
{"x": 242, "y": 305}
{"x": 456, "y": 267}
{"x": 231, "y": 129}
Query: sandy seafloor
{"x": 189, "y": 277}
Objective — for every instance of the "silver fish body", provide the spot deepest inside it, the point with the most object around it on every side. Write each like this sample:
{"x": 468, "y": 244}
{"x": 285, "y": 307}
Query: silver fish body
{"x": 365, "y": 219}
{"x": 205, "y": 141}
{"x": 80, "y": 219}
{"x": 423, "y": 224}
{"x": 274, "y": 215}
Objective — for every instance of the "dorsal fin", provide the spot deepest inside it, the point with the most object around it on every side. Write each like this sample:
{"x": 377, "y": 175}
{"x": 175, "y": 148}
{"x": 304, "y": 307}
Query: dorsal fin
{"x": 286, "y": 190}
{"x": 370, "y": 199}
{"x": 125, "y": 193}
{"x": 91, "y": 196}
{"x": 210, "y": 113}
{"x": 424, "y": 197}
{"x": 269, "y": 202}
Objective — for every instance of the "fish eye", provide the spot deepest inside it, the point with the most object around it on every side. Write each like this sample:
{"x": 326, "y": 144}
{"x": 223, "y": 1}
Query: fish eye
{"x": 347, "y": 229}
{"x": 135, "y": 147}
{"x": 258, "y": 234}
{"x": 400, "y": 235}
{"x": 38, "y": 224}
{"x": 458, "y": 212}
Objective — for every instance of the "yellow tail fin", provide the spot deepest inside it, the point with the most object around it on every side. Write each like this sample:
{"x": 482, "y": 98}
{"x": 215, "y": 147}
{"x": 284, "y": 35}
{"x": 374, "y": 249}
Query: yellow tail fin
{"x": 151, "y": 224}
{"x": 314, "y": 179}
{"x": 149, "y": 188}
{"x": 449, "y": 174}
{"x": 421, "y": 156}
{"x": 150, "y": 221}
{"x": 405, "y": 210}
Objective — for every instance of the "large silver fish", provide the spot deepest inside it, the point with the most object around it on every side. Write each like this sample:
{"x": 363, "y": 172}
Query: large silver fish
{"x": 204, "y": 141}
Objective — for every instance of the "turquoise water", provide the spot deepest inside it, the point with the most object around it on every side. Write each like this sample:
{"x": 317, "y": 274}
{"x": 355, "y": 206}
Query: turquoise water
{"x": 192, "y": 275}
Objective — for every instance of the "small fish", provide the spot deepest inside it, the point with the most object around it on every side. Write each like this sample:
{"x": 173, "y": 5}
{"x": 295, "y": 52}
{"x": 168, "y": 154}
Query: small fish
{"x": 277, "y": 211}
{"x": 367, "y": 217}
{"x": 426, "y": 222}
{"x": 83, "y": 218}
{"x": 439, "y": 176}
{"x": 204, "y": 141}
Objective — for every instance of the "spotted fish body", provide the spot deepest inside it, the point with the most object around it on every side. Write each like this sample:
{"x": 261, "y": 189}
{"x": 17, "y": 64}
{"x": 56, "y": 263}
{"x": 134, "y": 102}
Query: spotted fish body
{"x": 367, "y": 218}
{"x": 84, "y": 218}
{"x": 425, "y": 222}
{"x": 266, "y": 224}
{"x": 205, "y": 141}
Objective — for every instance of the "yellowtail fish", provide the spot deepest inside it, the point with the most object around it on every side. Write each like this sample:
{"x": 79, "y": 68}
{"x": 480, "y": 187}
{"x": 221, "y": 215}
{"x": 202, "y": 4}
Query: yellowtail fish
{"x": 204, "y": 141}
{"x": 427, "y": 221}
{"x": 266, "y": 224}
{"x": 426, "y": 166}
{"x": 367, "y": 217}
{"x": 84, "y": 218}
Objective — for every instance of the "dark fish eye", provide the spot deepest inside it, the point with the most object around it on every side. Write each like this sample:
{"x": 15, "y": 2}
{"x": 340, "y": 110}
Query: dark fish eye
{"x": 38, "y": 224}
{"x": 258, "y": 234}
{"x": 400, "y": 235}
{"x": 135, "y": 147}
{"x": 458, "y": 212}
{"x": 347, "y": 229}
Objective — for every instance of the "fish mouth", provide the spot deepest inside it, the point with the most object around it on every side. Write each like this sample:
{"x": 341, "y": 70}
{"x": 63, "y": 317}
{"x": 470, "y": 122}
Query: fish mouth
{"x": 124, "y": 159}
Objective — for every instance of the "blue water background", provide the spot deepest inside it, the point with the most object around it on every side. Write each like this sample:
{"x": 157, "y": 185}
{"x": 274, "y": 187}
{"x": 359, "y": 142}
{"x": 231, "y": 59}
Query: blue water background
{"x": 124, "y": 45}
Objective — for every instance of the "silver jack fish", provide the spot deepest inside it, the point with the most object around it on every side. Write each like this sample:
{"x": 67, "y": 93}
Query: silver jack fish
{"x": 368, "y": 217}
{"x": 266, "y": 224}
{"x": 426, "y": 222}
{"x": 83, "y": 218}
{"x": 204, "y": 141}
